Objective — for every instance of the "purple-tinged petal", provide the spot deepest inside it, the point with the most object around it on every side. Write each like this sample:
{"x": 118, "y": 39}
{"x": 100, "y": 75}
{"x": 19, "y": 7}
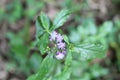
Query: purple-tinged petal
{"x": 64, "y": 52}
{"x": 61, "y": 45}
{"x": 60, "y": 56}
{"x": 53, "y": 35}
{"x": 59, "y": 38}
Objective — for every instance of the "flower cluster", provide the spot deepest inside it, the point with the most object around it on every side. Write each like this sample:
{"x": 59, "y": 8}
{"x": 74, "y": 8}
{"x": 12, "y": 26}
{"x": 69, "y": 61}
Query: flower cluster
{"x": 58, "y": 39}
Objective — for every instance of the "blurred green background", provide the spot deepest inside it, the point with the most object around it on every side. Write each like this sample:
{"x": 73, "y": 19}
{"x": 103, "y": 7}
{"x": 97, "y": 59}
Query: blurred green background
{"x": 92, "y": 20}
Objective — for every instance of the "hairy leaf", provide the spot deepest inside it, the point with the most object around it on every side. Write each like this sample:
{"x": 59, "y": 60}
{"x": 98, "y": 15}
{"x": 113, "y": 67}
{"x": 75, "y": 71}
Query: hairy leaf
{"x": 106, "y": 28}
{"x": 45, "y": 20}
{"x": 60, "y": 19}
{"x": 32, "y": 77}
{"x": 45, "y": 67}
{"x": 39, "y": 29}
{"x": 65, "y": 75}
{"x": 90, "y": 51}
{"x": 66, "y": 39}
{"x": 68, "y": 59}
{"x": 43, "y": 43}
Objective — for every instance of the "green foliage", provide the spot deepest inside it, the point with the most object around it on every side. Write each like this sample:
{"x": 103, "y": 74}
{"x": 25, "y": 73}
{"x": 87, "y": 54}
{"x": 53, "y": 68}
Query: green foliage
{"x": 65, "y": 74}
{"x": 85, "y": 32}
{"x": 39, "y": 29}
{"x": 73, "y": 6}
{"x": 19, "y": 52}
{"x": 86, "y": 51}
{"x": 68, "y": 60}
{"x": 45, "y": 21}
{"x": 66, "y": 39}
{"x": 33, "y": 7}
{"x": 17, "y": 9}
{"x": 90, "y": 51}
{"x": 42, "y": 45}
{"x": 60, "y": 18}
{"x": 45, "y": 67}
{"x": 105, "y": 30}
{"x": 85, "y": 71}
{"x": 13, "y": 11}
{"x": 32, "y": 77}
{"x": 107, "y": 34}
{"x": 2, "y": 12}
{"x": 85, "y": 42}
{"x": 42, "y": 27}
{"x": 35, "y": 60}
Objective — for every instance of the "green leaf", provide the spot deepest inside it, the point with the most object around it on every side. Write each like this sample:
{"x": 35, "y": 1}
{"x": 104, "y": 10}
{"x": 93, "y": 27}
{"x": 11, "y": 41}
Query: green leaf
{"x": 32, "y": 77}
{"x": 106, "y": 28}
{"x": 39, "y": 29}
{"x": 42, "y": 25}
{"x": 43, "y": 43}
{"x": 45, "y": 20}
{"x": 35, "y": 60}
{"x": 68, "y": 59}
{"x": 60, "y": 19}
{"x": 96, "y": 71}
{"x": 45, "y": 67}
{"x": 90, "y": 51}
{"x": 31, "y": 9}
{"x": 65, "y": 75}
{"x": 66, "y": 39}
